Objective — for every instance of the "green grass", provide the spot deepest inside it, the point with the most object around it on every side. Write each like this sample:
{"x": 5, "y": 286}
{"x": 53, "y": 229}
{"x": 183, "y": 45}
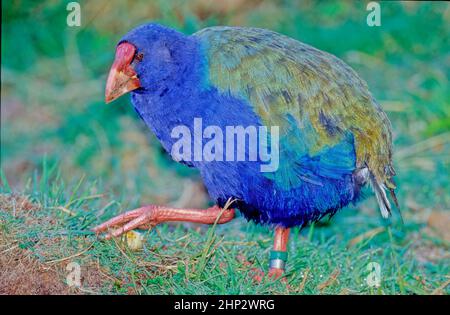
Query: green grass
{"x": 179, "y": 259}
{"x": 83, "y": 161}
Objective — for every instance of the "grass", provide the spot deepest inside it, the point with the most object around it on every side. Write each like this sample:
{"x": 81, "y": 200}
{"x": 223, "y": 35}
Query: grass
{"x": 329, "y": 258}
{"x": 69, "y": 162}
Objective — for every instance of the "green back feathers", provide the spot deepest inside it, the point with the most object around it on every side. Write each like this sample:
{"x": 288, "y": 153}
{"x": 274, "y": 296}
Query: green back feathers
{"x": 314, "y": 97}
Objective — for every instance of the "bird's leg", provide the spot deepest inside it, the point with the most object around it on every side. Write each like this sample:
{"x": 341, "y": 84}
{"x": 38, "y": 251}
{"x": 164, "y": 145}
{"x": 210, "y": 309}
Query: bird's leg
{"x": 149, "y": 216}
{"x": 278, "y": 255}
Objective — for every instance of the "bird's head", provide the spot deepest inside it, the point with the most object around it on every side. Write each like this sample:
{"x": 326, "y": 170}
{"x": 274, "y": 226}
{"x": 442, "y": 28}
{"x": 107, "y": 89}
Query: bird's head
{"x": 145, "y": 57}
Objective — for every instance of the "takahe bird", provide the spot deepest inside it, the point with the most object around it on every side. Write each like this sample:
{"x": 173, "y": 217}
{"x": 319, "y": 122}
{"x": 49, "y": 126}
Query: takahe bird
{"x": 333, "y": 137}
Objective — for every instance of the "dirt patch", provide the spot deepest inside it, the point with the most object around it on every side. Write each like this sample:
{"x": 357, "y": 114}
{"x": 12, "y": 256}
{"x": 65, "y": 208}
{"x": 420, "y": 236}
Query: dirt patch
{"x": 17, "y": 204}
{"x": 21, "y": 272}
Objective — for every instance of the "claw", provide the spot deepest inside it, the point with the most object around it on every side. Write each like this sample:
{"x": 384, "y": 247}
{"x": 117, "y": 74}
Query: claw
{"x": 273, "y": 274}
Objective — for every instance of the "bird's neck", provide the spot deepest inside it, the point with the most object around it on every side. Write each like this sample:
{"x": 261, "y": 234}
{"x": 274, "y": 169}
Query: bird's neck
{"x": 176, "y": 100}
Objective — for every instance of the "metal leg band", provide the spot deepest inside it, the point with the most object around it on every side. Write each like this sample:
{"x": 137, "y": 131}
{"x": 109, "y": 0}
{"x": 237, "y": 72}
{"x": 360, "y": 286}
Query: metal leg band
{"x": 277, "y": 263}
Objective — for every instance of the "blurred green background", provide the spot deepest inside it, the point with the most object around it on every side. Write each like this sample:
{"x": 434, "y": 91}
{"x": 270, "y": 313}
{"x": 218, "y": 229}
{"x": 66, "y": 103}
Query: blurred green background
{"x": 53, "y": 79}
{"x": 53, "y": 115}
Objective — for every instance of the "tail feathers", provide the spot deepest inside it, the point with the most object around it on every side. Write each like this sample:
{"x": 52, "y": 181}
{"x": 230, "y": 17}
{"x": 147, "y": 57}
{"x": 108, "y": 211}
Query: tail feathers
{"x": 394, "y": 197}
{"x": 380, "y": 193}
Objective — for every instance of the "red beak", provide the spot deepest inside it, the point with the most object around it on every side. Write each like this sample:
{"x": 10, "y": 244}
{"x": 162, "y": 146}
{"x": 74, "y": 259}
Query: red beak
{"x": 122, "y": 77}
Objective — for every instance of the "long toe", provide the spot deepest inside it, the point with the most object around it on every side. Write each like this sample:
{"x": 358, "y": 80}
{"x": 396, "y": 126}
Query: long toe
{"x": 121, "y": 219}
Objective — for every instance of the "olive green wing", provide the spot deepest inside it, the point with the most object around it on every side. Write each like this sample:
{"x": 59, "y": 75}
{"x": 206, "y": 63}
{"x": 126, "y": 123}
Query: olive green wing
{"x": 315, "y": 98}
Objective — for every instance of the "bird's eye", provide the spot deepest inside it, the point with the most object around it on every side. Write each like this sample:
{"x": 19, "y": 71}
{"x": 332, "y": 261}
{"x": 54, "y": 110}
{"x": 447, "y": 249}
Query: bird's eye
{"x": 139, "y": 56}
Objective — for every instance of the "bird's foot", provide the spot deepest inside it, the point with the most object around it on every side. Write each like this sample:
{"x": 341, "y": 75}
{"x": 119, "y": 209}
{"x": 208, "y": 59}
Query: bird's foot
{"x": 273, "y": 274}
{"x": 149, "y": 216}
{"x": 278, "y": 257}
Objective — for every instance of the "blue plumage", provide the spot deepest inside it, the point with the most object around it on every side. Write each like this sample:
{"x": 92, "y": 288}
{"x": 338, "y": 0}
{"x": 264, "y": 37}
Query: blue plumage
{"x": 317, "y": 168}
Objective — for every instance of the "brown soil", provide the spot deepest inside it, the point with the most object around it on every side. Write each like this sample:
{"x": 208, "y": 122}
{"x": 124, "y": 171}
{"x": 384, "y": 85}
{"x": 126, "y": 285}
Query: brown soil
{"x": 22, "y": 273}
